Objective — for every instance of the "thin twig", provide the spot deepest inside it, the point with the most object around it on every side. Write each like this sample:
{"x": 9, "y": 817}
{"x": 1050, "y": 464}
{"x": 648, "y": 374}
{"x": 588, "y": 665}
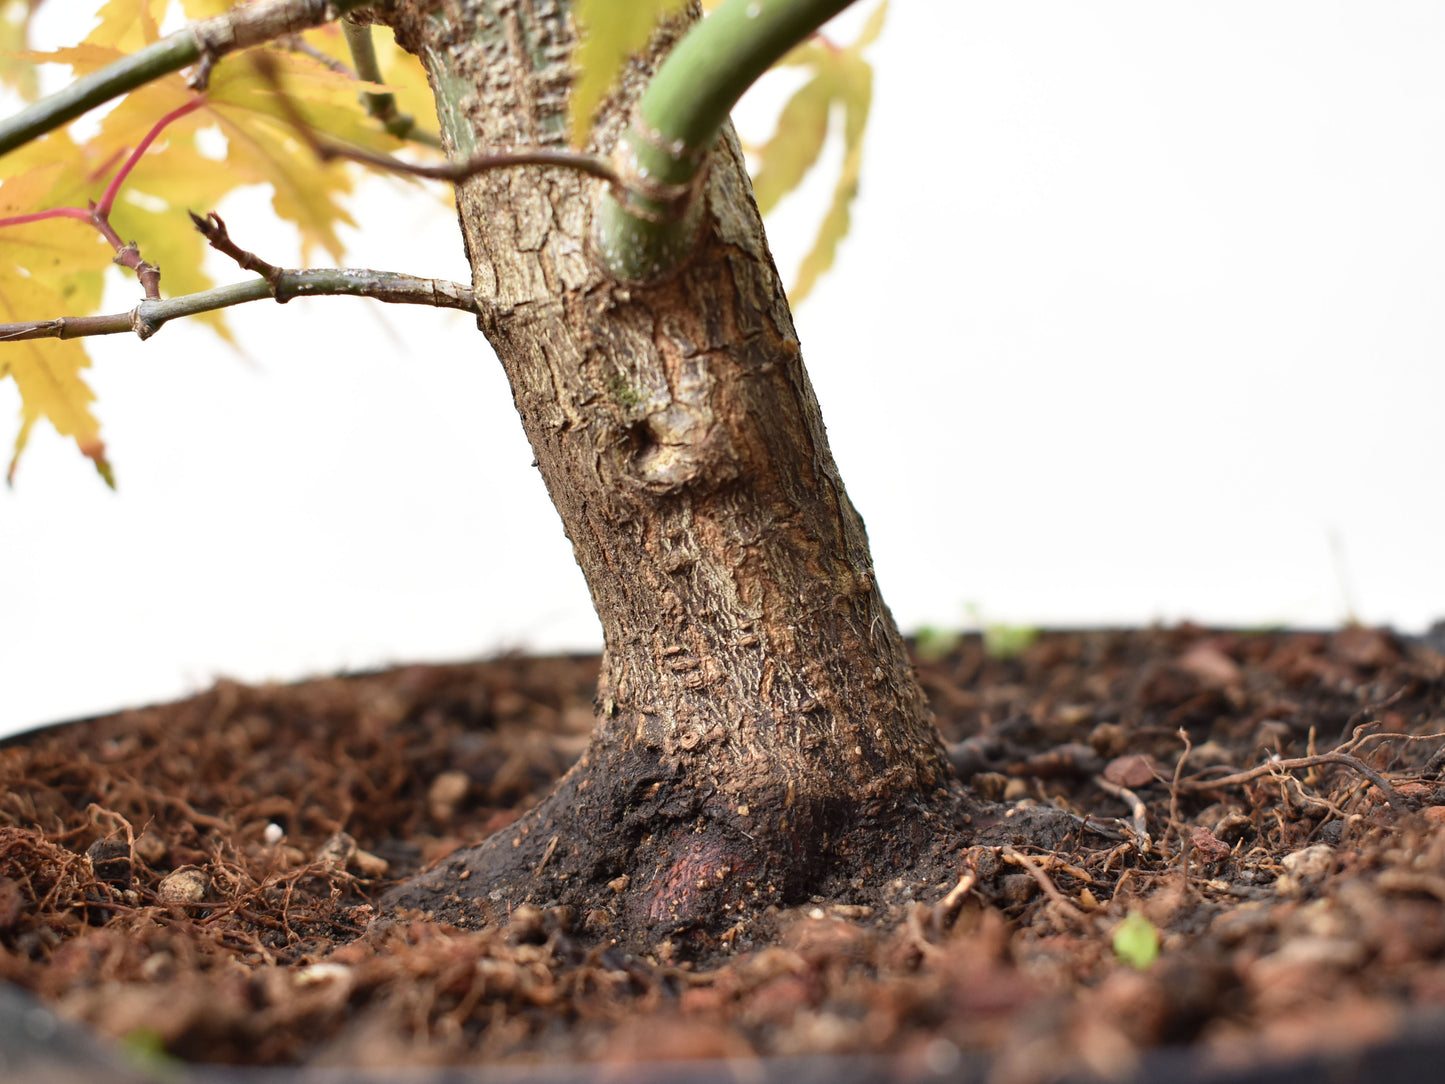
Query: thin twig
{"x": 149, "y": 316}
{"x": 1376, "y": 708}
{"x": 1136, "y": 807}
{"x": 295, "y": 43}
{"x": 1397, "y": 803}
{"x": 96, "y": 812}
{"x": 97, "y": 215}
{"x": 381, "y": 107}
{"x": 1184, "y": 841}
{"x": 456, "y": 172}
{"x": 1358, "y": 736}
{"x": 1051, "y": 890}
{"x": 213, "y": 228}
{"x": 1403, "y": 738}
{"x": 1308, "y": 798}
{"x": 944, "y": 909}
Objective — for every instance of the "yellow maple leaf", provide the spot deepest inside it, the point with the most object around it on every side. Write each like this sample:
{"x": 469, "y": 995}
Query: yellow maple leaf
{"x": 126, "y": 25}
{"x": 842, "y": 79}
{"x": 47, "y": 372}
{"x": 326, "y": 99}
{"x": 262, "y": 147}
{"x": 170, "y": 179}
{"x": 36, "y": 282}
{"x": 15, "y": 72}
{"x": 797, "y": 141}
{"x": 856, "y": 80}
{"x": 55, "y": 267}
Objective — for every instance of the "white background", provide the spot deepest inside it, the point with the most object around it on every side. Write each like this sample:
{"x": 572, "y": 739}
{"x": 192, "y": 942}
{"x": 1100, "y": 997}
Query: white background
{"x": 1142, "y": 318}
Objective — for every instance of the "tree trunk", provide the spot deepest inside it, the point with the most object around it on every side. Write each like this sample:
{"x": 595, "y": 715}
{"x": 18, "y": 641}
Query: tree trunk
{"x": 758, "y": 720}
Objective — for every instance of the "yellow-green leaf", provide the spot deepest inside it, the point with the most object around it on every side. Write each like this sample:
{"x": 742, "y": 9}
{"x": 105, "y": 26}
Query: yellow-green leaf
{"x": 47, "y": 372}
{"x": 872, "y": 28}
{"x": 612, "y": 31}
{"x": 849, "y": 78}
{"x": 810, "y": 54}
{"x": 857, "y": 94}
{"x": 57, "y": 262}
{"x": 326, "y": 99}
{"x": 83, "y": 59}
{"x": 56, "y": 267}
{"x": 15, "y": 72}
{"x": 784, "y": 160}
{"x": 304, "y": 193}
{"x": 126, "y": 25}
{"x": 50, "y": 268}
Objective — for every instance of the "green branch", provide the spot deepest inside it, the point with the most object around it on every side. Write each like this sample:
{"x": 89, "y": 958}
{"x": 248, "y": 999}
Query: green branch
{"x": 649, "y": 228}
{"x": 202, "y": 43}
{"x": 695, "y": 89}
{"x": 380, "y": 107}
{"x": 149, "y": 316}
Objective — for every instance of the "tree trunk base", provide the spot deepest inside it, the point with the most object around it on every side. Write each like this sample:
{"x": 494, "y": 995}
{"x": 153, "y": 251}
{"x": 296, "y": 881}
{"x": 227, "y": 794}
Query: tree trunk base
{"x": 638, "y": 857}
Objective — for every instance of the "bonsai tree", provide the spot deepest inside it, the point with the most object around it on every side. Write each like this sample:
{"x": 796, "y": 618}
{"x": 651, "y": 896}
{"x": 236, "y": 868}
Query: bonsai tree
{"x": 760, "y": 733}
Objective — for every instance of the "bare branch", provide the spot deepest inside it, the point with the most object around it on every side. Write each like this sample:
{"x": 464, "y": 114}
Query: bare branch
{"x": 263, "y": 21}
{"x": 66, "y": 327}
{"x": 213, "y": 229}
{"x": 149, "y": 316}
{"x": 328, "y": 151}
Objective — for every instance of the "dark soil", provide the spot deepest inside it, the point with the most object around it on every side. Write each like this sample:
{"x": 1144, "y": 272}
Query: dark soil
{"x": 199, "y": 880}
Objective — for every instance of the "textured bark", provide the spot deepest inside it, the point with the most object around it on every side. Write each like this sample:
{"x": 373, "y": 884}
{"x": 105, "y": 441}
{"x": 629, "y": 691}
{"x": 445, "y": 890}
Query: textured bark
{"x": 756, "y": 709}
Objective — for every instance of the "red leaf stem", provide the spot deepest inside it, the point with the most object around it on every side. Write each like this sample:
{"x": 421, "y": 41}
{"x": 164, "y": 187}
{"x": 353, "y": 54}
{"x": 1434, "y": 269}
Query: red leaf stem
{"x": 105, "y": 167}
{"x": 40, "y": 216}
{"x": 107, "y": 199}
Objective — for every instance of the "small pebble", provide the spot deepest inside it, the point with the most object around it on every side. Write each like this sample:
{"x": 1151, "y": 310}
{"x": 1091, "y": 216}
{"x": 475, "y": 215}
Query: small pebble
{"x": 185, "y": 886}
{"x": 446, "y": 793}
{"x": 1304, "y": 869}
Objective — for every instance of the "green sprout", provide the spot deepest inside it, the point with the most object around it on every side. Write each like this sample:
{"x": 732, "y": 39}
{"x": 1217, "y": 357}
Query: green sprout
{"x": 1136, "y": 941}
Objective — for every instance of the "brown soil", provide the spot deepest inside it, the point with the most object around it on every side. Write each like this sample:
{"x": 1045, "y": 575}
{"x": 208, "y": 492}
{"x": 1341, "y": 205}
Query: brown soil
{"x": 199, "y": 879}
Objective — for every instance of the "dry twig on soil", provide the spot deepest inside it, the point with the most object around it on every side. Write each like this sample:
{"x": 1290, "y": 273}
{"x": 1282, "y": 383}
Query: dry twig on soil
{"x": 1051, "y": 890}
{"x": 1342, "y": 755}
